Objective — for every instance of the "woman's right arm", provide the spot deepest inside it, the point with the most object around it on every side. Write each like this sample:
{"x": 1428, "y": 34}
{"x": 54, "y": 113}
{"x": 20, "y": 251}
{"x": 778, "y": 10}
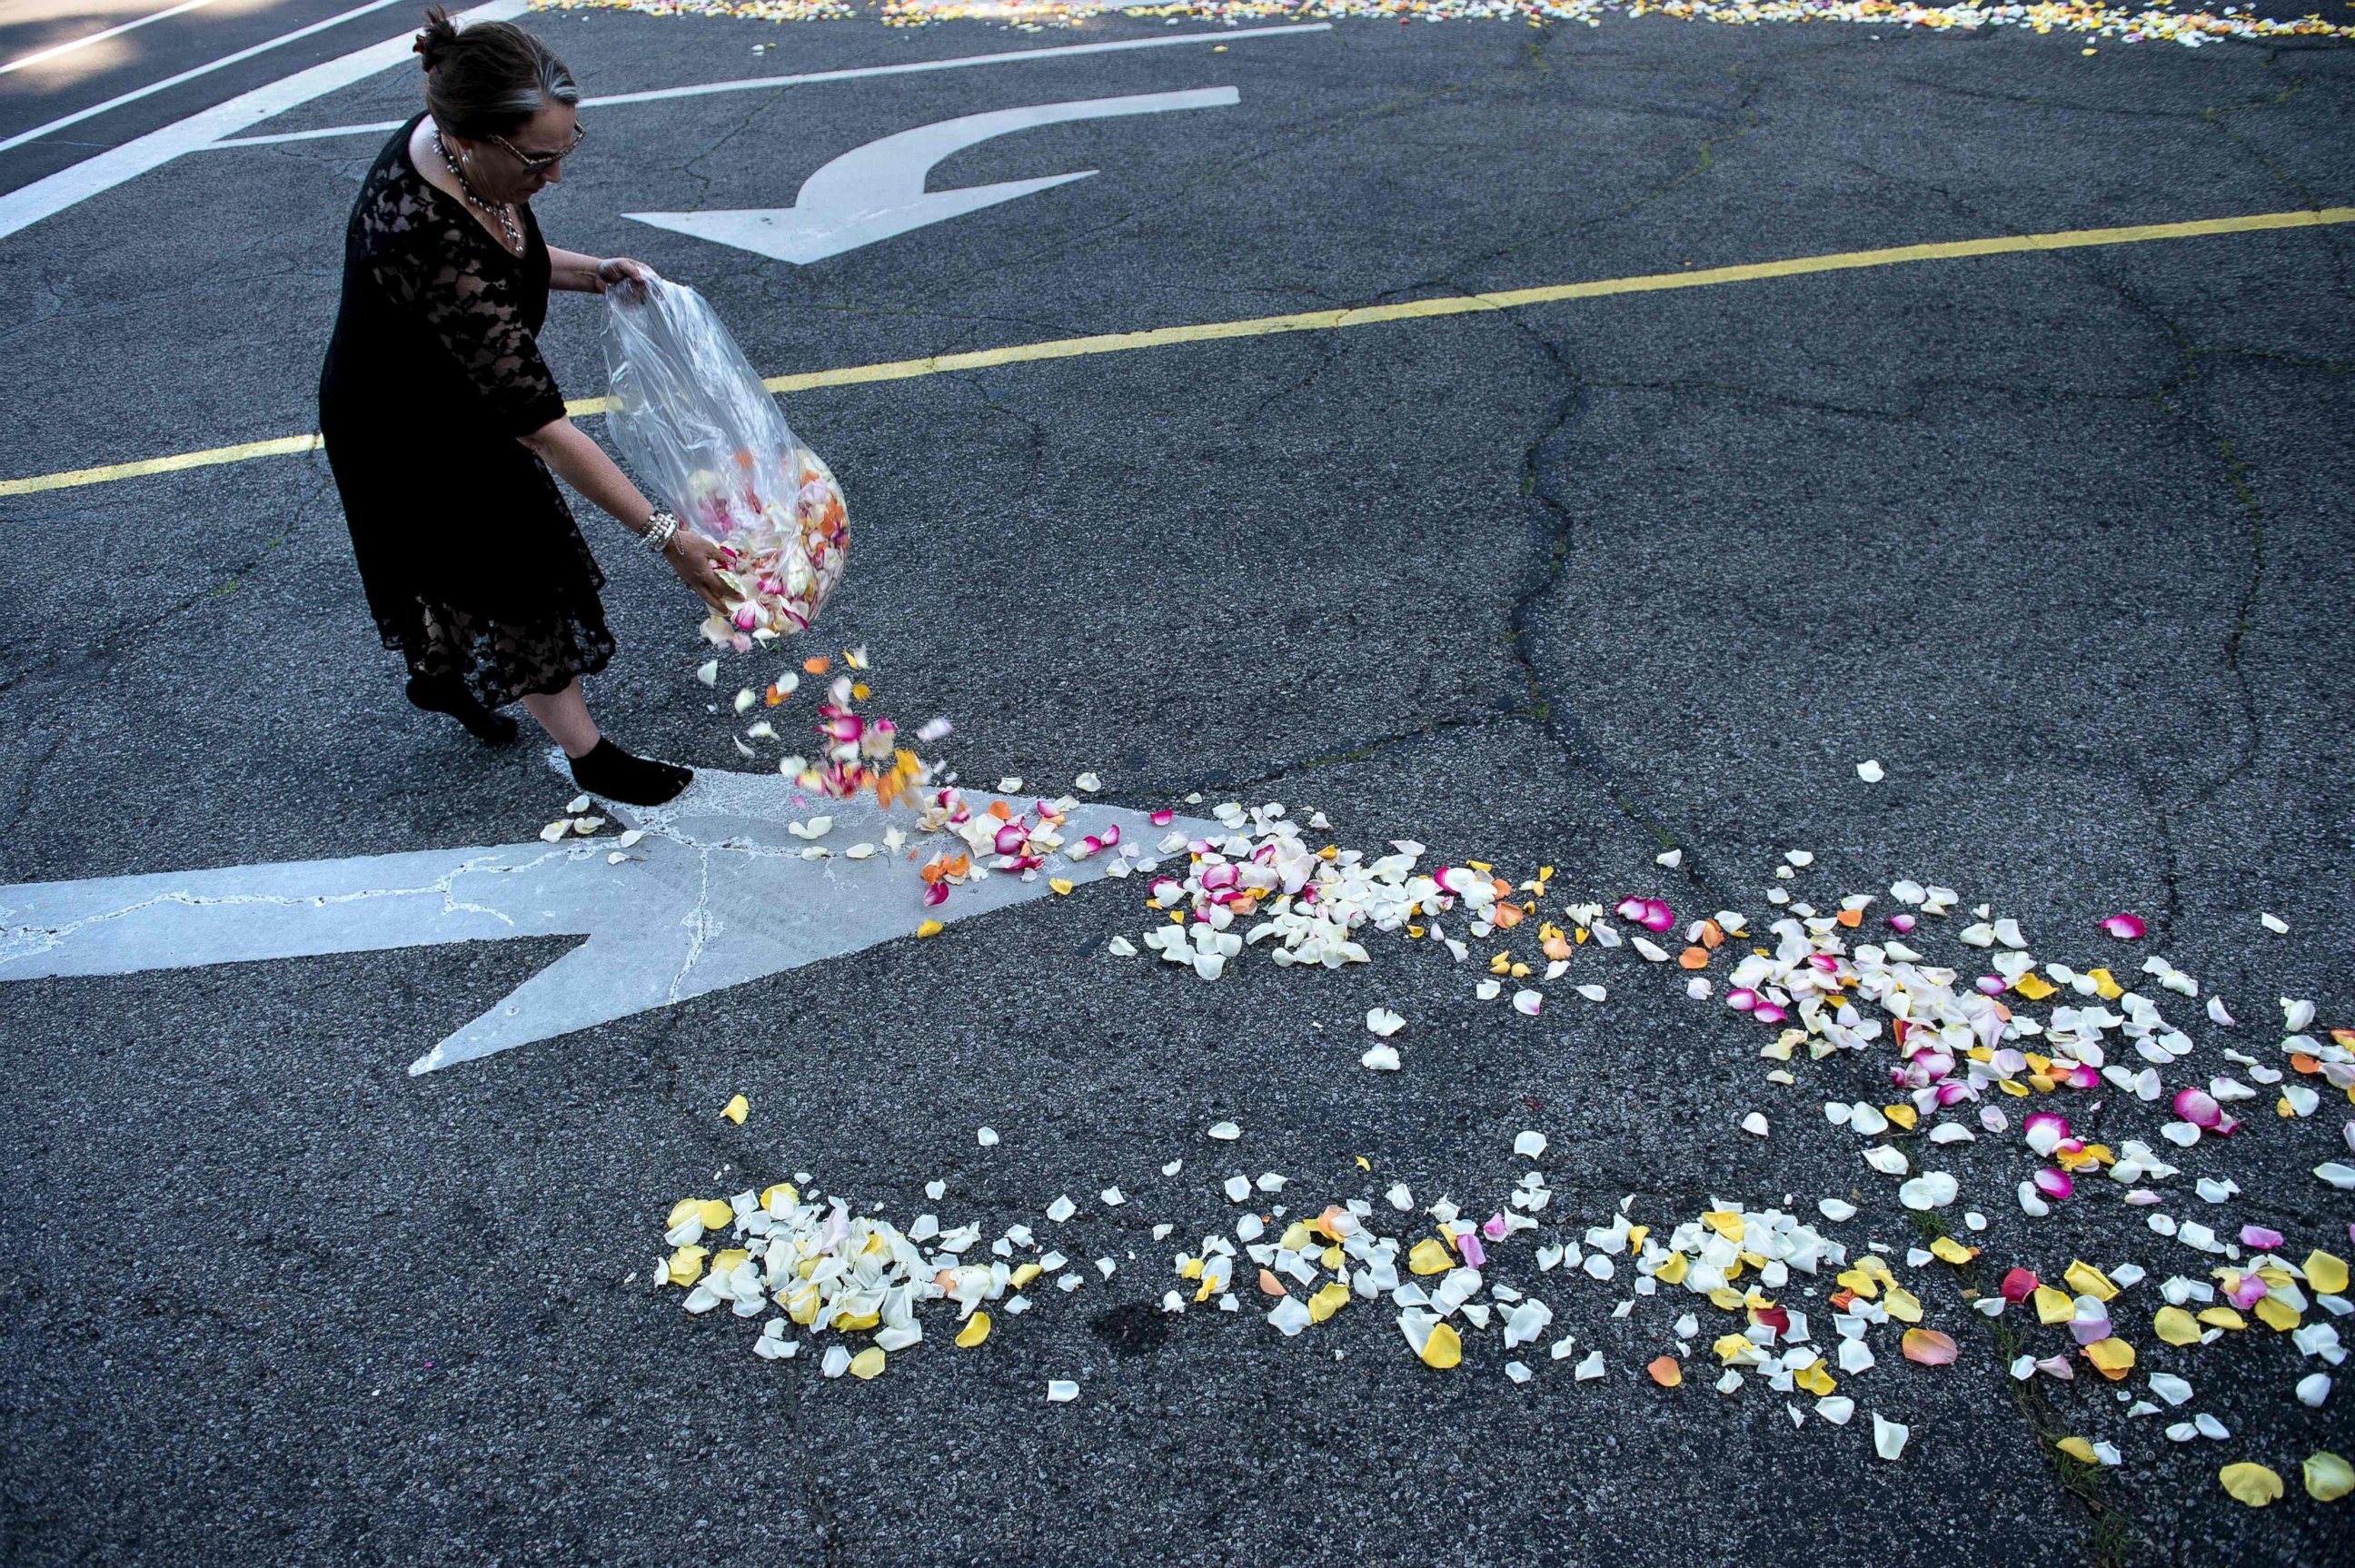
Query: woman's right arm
{"x": 583, "y": 464}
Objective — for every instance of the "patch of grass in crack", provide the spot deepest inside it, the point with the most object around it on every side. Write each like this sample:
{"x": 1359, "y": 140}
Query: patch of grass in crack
{"x": 2110, "y": 1540}
{"x": 1927, "y": 1225}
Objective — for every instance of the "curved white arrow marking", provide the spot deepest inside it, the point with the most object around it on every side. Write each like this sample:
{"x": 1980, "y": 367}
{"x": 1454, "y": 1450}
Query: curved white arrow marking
{"x": 876, "y": 191}
{"x": 719, "y": 896}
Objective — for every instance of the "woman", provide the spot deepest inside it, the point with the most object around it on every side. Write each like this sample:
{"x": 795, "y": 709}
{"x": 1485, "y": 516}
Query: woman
{"x": 442, "y": 420}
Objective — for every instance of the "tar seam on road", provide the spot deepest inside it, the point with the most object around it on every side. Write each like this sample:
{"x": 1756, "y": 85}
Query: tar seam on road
{"x": 1318, "y": 321}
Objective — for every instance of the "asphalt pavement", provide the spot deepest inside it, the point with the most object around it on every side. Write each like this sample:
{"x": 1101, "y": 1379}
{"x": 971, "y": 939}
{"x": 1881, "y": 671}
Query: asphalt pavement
{"x": 2058, "y": 537}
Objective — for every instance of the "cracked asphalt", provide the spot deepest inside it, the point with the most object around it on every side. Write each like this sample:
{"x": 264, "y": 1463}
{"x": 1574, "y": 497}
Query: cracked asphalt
{"x": 2061, "y": 538}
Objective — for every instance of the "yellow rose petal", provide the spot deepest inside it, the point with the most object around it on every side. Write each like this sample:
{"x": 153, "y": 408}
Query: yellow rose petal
{"x": 714, "y": 1213}
{"x": 1022, "y": 1276}
{"x": 1726, "y": 1223}
{"x": 2086, "y": 1280}
{"x": 2077, "y": 1448}
{"x": 2280, "y": 1316}
{"x": 976, "y": 1329}
{"x": 930, "y": 928}
{"x": 1430, "y": 1255}
{"x": 2176, "y": 1326}
{"x": 1903, "y": 1304}
{"x": 1673, "y": 1271}
{"x": 1952, "y": 1251}
{"x": 1902, "y": 1116}
{"x": 1327, "y": 1301}
{"x": 683, "y": 1210}
{"x": 2251, "y": 1484}
{"x": 867, "y": 1363}
{"x": 1443, "y": 1349}
{"x": 737, "y": 1109}
{"x": 2326, "y": 1273}
{"x": 2052, "y": 1306}
{"x": 687, "y": 1264}
{"x": 2112, "y": 1357}
{"x": 2222, "y": 1317}
{"x": 2328, "y": 1477}
{"x": 1060, "y": 884}
{"x": 1815, "y": 1379}
{"x": 2032, "y": 986}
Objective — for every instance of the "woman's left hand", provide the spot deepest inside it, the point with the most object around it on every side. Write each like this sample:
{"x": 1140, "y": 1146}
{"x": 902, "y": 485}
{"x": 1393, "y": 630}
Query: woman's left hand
{"x": 698, "y": 563}
{"x": 621, "y": 269}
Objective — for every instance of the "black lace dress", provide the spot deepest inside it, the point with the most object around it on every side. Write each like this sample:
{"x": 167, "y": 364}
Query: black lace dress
{"x": 474, "y": 566}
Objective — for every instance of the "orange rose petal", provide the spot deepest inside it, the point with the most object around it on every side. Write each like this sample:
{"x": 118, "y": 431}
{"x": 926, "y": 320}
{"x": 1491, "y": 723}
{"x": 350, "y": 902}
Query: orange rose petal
{"x": 817, "y": 664}
{"x": 1666, "y": 1371}
{"x": 1693, "y": 958}
{"x": 1929, "y": 1348}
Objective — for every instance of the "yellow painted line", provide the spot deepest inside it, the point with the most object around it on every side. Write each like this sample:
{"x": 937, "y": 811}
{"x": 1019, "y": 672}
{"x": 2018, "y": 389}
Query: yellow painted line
{"x": 277, "y": 447}
{"x": 1323, "y": 321}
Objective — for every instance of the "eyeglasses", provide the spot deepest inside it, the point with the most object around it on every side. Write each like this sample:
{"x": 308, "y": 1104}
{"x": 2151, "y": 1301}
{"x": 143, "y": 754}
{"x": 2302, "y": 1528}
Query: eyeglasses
{"x": 534, "y": 162}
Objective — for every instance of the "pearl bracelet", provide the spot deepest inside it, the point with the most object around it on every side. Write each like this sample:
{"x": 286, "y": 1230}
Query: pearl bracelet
{"x": 661, "y": 528}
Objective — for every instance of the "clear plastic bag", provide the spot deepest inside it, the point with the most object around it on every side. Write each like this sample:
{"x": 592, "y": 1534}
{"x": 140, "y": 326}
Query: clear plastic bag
{"x": 692, "y": 417}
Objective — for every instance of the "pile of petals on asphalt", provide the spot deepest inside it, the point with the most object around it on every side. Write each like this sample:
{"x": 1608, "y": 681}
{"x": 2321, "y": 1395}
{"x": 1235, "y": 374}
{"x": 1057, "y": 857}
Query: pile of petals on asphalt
{"x": 1768, "y": 1302}
{"x": 2119, "y": 24}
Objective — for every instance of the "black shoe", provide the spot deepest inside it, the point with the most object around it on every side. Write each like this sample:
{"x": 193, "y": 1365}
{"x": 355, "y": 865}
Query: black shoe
{"x": 615, "y": 774}
{"x": 447, "y": 694}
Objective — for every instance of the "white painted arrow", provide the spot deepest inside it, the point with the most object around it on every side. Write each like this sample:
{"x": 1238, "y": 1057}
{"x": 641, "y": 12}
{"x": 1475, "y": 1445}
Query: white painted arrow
{"x": 721, "y": 897}
{"x": 876, "y": 191}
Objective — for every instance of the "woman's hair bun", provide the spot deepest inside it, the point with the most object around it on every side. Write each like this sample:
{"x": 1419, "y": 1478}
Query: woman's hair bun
{"x": 490, "y": 78}
{"x": 440, "y": 34}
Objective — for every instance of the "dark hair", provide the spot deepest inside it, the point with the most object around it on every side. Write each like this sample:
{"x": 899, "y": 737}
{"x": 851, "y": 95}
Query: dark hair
{"x": 491, "y": 78}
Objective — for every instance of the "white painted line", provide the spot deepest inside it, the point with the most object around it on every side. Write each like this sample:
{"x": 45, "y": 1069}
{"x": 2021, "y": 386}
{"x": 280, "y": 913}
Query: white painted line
{"x": 78, "y": 116}
{"x": 759, "y": 83}
{"x": 21, "y": 61}
{"x": 27, "y": 205}
{"x": 877, "y": 191}
{"x": 717, "y": 895}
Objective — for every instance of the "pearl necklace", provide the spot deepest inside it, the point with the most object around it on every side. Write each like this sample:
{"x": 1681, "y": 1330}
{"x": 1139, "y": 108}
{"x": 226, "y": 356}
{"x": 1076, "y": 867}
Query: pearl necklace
{"x": 504, "y": 212}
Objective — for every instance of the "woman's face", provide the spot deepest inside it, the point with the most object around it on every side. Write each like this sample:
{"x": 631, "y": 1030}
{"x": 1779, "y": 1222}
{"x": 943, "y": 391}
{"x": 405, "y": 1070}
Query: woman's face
{"x": 500, "y": 175}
